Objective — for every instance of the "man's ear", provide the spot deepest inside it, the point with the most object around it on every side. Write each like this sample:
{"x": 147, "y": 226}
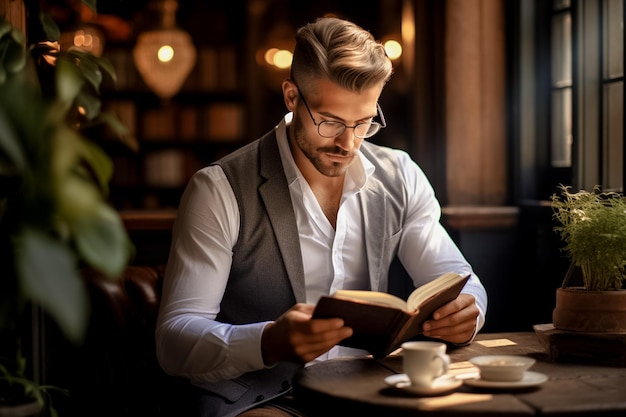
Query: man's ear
{"x": 290, "y": 95}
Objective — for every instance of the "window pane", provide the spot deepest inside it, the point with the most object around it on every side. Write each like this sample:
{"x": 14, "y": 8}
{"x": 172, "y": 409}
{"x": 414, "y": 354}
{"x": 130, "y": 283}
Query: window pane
{"x": 613, "y": 38}
{"x": 562, "y": 50}
{"x": 561, "y": 128}
{"x": 613, "y": 136}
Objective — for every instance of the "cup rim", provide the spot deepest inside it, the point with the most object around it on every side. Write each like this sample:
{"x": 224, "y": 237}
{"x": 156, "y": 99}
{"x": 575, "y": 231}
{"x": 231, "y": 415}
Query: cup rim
{"x": 421, "y": 344}
{"x": 519, "y": 361}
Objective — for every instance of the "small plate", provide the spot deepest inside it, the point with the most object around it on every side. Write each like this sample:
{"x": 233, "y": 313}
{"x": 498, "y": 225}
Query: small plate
{"x": 440, "y": 385}
{"x": 530, "y": 379}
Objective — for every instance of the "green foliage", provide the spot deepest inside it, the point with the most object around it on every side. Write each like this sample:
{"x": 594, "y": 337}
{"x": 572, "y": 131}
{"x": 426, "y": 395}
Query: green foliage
{"x": 593, "y": 227}
{"x": 15, "y": 387}
{"x": 54, "y": 214}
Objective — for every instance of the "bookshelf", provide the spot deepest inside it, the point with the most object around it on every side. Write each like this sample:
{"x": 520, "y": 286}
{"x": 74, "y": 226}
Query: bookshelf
{"x": 206, "y": 120}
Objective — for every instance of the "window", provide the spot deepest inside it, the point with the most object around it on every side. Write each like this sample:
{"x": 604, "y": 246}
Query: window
{"x": 561, "y": 86}
{"x": 613, "y": 94}
{"x": 598, "y": 101}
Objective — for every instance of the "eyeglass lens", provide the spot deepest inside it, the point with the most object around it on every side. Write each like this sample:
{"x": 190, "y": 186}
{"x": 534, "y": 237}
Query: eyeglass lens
{"x": 333, "y": 129}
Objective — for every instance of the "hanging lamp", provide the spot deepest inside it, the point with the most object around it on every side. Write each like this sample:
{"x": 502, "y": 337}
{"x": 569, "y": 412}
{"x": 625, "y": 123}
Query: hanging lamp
{"x": 165, "y": 56}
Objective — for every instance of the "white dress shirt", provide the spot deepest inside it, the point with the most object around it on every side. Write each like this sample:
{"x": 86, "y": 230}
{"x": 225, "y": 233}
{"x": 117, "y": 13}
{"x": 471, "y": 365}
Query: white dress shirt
{"x": 192, "y": 344}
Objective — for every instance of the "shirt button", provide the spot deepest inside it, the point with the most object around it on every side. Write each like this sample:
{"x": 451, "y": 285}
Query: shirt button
{"x": 259, "y": 398}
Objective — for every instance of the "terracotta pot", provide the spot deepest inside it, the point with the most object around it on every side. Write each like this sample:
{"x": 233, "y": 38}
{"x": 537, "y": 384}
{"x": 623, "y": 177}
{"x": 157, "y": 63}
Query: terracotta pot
{"x": 590, "y": 311}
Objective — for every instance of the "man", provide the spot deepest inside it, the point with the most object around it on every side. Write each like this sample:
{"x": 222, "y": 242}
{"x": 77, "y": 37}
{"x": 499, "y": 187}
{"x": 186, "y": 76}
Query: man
{"x": 307, "y": 209}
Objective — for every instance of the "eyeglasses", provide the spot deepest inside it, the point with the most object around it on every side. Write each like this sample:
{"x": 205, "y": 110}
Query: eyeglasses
{"x": 330, "y": 129}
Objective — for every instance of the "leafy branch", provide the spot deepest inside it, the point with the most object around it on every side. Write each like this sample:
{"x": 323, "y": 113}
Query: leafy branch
{"x": 593, "y": 227}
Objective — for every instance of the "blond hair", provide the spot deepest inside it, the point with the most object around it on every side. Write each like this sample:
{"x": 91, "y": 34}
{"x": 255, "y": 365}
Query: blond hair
{"x": 341, "y": 52}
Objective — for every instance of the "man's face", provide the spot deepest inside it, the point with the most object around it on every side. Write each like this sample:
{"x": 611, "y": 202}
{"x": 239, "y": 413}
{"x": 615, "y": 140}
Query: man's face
{"x": 329, "y": 102}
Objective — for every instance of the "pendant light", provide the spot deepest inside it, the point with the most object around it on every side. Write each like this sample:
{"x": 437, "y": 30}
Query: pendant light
{"x": 165, "y": 56}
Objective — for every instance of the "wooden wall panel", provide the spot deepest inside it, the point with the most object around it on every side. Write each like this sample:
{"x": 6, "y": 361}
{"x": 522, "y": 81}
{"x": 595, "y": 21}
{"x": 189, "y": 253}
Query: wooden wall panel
{"x": 475, "y": 103}
{"x": 14, "y": 12}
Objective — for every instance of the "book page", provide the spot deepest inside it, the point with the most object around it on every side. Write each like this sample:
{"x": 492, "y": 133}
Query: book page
{"x": 373, "y": 297}
{"x": 431, "y": 288}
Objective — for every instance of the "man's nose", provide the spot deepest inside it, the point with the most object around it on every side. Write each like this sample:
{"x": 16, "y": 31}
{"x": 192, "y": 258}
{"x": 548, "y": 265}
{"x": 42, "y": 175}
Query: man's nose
{"x": 346, "y": 140}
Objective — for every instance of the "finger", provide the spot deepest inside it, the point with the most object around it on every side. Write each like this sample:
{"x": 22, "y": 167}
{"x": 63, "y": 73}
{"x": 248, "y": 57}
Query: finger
{"x": 304, "y": 308}
{"x": 457, "y": 333}
{"x": 307, "y": 346}
{"x": 461, "y": 302}
{"x": 324, "y": 325}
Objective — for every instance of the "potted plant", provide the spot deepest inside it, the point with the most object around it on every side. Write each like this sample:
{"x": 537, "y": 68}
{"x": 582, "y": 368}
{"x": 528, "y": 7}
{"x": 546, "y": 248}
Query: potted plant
{"x": 592, "y": 225}
{"x": 54, "y": 214}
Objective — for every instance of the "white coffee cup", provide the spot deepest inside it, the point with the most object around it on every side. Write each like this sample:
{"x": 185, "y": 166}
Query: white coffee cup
{"x": 424, "y": 361}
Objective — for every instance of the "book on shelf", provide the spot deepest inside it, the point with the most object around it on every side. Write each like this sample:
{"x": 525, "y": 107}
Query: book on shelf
{"x": 164, "y": 168}
{"x": 126, "y": 113}
{"x": 208, "y": 65}
{"x": 188, "y": 123}
{"x": 158, "y": 124}
{"x": 224, "y": 122}
{"x": 381, "y": 322}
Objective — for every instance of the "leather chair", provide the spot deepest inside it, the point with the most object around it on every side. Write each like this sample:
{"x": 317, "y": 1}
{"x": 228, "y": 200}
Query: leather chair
{"x": 118, "y": 373}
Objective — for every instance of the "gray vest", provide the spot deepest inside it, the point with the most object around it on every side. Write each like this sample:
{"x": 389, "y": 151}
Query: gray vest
{"x": 267, "y": 274}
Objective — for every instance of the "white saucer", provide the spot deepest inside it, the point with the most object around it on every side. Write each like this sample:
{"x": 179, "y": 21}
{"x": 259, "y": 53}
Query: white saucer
{"x": 530, "y": 379}
{"x": 440, "y": 385}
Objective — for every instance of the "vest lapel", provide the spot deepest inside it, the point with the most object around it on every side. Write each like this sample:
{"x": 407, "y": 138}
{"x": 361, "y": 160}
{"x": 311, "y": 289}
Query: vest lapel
{"x": 373, "y": 205}
{"x": 275, "y": 195}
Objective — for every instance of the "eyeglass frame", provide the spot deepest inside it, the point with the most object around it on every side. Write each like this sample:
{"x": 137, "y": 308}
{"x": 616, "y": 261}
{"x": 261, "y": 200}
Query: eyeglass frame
{"x": 379, "y": 113}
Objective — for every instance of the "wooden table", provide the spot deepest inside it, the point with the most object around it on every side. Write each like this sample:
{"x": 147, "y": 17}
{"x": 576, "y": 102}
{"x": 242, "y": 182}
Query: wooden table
{"x": 354, "y": 387}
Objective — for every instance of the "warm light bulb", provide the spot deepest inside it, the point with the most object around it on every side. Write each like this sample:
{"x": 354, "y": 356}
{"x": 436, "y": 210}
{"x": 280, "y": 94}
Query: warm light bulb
{"x": 165, "y": 53}
{"x": 269, "y": 55}
{"x": 393, "y": 49}
{"x": 282, "y": 59}
{"x": 88, "y": 39}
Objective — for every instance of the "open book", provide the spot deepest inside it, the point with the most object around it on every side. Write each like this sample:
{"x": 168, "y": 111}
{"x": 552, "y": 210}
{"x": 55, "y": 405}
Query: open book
{"x": 382, "y": 322}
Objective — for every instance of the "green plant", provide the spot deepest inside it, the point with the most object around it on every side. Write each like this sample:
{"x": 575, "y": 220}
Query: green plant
{"x": 593, "y": 226}
{"x": 16, "y": 387}
{"x": 54, "y": 214}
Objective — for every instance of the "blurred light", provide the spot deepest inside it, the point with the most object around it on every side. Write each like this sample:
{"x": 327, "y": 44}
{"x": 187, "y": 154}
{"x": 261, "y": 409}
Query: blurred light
{"x": 269, "y": 55}
{"x": 278, "y": 58}
{"x": 393, "y": 49}
{"x": 165, "y": 53}
{"x": 282, "y": 59}
{"x": 276, "y": 50}
{"x": 87, "y": 38}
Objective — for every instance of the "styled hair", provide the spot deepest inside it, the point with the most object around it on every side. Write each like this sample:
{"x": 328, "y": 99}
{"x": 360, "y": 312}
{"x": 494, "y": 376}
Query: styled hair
{"x": 341, "y": 52}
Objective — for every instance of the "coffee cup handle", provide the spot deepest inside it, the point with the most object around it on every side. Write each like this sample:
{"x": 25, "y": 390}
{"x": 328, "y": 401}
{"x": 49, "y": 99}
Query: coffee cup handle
{"x": 445, "y": 363}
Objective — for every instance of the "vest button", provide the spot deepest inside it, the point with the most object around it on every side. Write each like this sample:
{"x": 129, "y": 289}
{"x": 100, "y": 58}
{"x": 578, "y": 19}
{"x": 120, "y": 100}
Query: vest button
{"x": 259, "y": 398}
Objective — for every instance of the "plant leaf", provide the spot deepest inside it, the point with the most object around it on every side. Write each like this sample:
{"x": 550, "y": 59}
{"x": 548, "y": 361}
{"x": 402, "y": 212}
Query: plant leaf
{"x": 10, "y": 145}
{"x": 108, "y": 67}
{"x": 49, "y": 275}
{"x": 102, "y": 241}
{"x": 5, "y": 26}
{"x": 100, "y": 164}
{"x": 91, "y": 4}
{"x": 119, "y": 130}
{"x": 14, "y": 57}
{"x": 68, "y": 82}
{"x": 90, "y": 103}
{"x": 50, "y": 28}
{"x": 87, "y": 65}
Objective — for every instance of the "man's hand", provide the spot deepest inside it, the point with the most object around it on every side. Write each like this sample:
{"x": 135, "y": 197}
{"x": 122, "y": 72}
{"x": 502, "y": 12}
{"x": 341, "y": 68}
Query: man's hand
{"x": 454, "y": 322}
{"x": 295, "y": 337}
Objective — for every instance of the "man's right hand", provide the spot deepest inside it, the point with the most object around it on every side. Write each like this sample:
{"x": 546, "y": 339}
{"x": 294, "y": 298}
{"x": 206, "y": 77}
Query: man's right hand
{"x": 296, "y": 337}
